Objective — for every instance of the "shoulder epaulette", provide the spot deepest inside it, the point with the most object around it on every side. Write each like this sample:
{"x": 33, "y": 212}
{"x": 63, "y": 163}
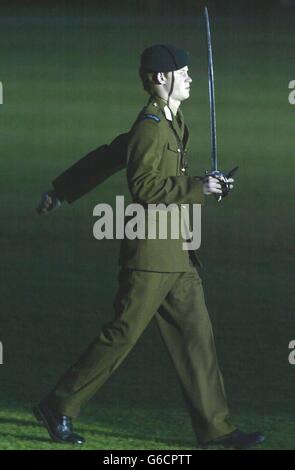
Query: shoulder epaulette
{"x": 149, "y": 116}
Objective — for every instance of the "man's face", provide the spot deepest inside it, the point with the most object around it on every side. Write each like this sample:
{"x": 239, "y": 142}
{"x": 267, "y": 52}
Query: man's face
{"x": 181, "y": 87}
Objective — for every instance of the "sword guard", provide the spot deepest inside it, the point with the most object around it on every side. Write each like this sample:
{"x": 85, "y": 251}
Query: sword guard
{"x": 224, "y": 181}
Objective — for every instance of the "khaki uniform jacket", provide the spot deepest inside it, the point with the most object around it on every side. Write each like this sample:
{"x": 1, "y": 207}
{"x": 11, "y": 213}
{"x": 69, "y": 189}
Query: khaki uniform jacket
{"x": 157, "y": 173}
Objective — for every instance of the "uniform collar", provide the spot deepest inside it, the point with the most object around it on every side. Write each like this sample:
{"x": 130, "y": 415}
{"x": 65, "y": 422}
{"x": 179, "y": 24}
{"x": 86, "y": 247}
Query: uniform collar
{"x": 177, "y": 122}
{"x": 168, "y": 113}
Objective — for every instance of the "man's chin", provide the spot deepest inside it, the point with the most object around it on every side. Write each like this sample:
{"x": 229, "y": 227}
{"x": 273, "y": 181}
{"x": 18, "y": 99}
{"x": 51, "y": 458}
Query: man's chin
{"x": 184, "y": 96}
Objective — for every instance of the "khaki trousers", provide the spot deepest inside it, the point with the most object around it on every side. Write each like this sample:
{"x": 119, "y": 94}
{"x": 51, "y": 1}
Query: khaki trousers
{"x": 176, "y": 300}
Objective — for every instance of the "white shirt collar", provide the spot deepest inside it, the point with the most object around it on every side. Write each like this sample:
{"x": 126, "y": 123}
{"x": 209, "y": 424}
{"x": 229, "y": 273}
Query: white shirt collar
{"x": 168, "y": 113}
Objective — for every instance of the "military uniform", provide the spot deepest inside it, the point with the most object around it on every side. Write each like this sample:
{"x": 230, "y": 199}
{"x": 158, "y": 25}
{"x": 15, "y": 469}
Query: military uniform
{"x": 158, "y": 279}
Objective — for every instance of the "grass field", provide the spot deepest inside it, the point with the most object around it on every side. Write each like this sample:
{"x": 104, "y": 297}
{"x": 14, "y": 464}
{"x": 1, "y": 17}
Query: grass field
{"x": 70, "y": 84}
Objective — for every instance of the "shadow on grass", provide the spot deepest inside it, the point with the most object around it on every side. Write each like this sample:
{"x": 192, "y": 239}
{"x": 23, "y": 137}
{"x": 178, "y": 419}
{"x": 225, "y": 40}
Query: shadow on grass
{"x": 24, "y": 437}
{"x": 84, "y": 429}
{"x": 140, "y": 437}
{"x": 21, "y": 422}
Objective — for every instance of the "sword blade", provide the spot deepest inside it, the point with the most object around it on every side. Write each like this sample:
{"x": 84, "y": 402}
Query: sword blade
{"x": 211, "y": 94}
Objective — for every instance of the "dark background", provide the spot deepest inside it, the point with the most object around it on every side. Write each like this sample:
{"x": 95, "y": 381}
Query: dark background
{"x": 69, "y": 73}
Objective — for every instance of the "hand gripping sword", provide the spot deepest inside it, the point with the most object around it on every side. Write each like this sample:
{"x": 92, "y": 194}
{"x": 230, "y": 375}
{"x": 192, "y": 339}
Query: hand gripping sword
{"x": 222, "y": 177}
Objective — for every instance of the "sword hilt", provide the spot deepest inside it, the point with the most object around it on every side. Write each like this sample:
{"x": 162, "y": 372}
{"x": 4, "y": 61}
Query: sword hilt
{"x": 223, "y": 180}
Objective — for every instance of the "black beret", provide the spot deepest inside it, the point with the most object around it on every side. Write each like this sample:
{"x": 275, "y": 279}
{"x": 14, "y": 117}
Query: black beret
{"x": 163, "y": 58}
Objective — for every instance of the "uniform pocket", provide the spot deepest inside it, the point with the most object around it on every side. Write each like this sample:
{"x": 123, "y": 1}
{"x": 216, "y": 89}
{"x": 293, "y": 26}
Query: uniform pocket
{"x": 173, "y": 147}
{"x": 174, "y": 156}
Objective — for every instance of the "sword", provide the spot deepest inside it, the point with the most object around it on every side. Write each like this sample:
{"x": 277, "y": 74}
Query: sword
{"x": 211, "y": 94}
{"x": 223, "y": 178}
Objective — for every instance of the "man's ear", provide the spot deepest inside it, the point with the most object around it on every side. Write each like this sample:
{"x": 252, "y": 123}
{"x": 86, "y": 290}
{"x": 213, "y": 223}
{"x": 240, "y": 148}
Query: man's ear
{"x": 159, "y": 78}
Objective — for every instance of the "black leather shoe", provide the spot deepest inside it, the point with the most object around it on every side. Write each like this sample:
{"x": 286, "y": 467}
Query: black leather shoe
{"x": 237, "y": 440}
{"x": 60, "y": 427}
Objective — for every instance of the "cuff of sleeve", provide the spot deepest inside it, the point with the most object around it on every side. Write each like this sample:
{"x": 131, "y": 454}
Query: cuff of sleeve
{"x": 58, "y": 192}
{"x": 198, "y": 190}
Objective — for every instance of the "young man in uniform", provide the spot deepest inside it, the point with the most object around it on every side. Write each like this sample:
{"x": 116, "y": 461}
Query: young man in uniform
{"x": 158, "y": 278}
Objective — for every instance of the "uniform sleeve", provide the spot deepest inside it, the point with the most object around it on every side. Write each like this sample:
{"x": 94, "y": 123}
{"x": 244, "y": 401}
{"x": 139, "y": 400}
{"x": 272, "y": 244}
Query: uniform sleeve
{"x": 92, "y": 170}
{"x": 146, "y": 184}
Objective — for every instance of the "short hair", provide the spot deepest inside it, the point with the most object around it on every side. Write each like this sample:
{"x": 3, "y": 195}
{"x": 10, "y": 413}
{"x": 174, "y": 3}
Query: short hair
{"x": 148, "y": 80}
